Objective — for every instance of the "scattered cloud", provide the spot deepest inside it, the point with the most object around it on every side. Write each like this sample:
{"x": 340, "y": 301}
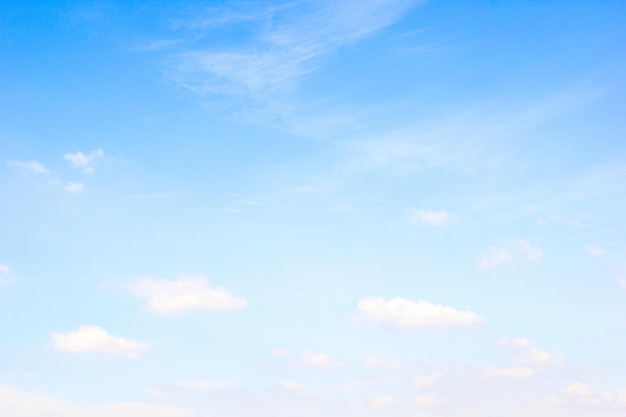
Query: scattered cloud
{"x": 22, "y": 403}
{"x": 96, "y": 339}
{"x": 622, "y": 283}
{"x": 403, "y": 313}
{"x": 429, "y": 217}
{"x": 84, "y": 162}
{"x": 549, "y": 219}
{"x": 283, "y": 353}
{"x": 297, "y": 389}
{"x": 318, "y": 360}
{"x": 426, "y": 400}
{"x": 183, "y": 294}
{"x": 594, "y": 250}
{"x": 501, "y": 255}
{"x": 372, "y": 361}
{"x": 510, "y": 372}
{"x": 205, "y": 385}
{"x": 381, "y": 401}
{"x": 582, "y": 394}
{"x": 32, "y": 166}
{"x": 74, "y": 187}
{"x": 4, "y": 269}
{"x": 422, "y": 381}
{"x": 519, "y": 342}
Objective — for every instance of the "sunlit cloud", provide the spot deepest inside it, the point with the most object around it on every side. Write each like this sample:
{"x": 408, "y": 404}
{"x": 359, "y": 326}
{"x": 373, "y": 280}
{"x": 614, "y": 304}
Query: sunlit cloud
{"x": 96, "y": 339}
{"x": 403, "y": 313}
{"x": 74, "y": 187}
{"x": 32, "y": 166}
{"x": 83, "y": 161}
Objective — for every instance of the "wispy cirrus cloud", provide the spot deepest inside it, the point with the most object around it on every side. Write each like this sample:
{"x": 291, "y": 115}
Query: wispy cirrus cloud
{"x": 83, "y": 161}
{"x": 95, "y": 339}
{"x": 297, "y": 389}
{"x": 404, "y": 313}
{"x": 317, "y": 360}
{"x": 510, "y": 252}
{"x": 372, "y": 361}
{"x": 578, "y": 394}
{"x": 187, "y": 293}
{"x": 382, "y": 401}
{"x": 429, "y": 217}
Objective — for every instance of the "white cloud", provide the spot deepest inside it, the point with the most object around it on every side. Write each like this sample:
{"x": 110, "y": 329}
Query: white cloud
{"x": 74, "y": 187}
{"x": 422, "y": 381}
{"x": 183, "y": 294}
{"x": 318, "y": 360}
{"x": 84, "y": 162}
{"x": 297, "y": 389}
{"x": 205, "y": 385}
{"x": 32, "y": 166}
{"x": 22, "y": 403}
{"x": 529, "y": 251}
{"x": 519, "y": 342}
{"x": 426, "y": 400}
{"x": 622, "y": 283}
{"x": 581, "y": 393}
{"x": 4, "y": 269}
{"x": 404, "y": 313}
{"x": 430, "y": 217}
{"x": 372, "y": 361}
{"x": 96, "y": 339}
{"x": 381, "y": 401}
{"x": 509, "y": 372}
{"x": 494, "y": 257}
{"x": 594, "y": 250}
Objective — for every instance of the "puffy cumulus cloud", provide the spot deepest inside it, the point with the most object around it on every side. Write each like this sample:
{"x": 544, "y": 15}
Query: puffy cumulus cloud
{"x": 96, "y": 339}
{"x": 427, "y": 400}
{"x": 318, "y": 360}
{"x": 429, "y": 217}
{"x": 513, "y": 372}
{"x": 423, "y": 381}
{"x": 82, "y": 161}
{"x": 295, "y": 388}
{"x": 403, "y": 313}
{"x": 594, "y": 250}
{"x": 512, "y": 251}
{"x": 381, "y": 401}
{"x": 17, "y": 402}
{"x": 372, "y": 361}
{"x": 74, "y": 187}
{"x": 581, "y": 394}
{"x": 32, "y": 166}
{"x": 183, "y": 294}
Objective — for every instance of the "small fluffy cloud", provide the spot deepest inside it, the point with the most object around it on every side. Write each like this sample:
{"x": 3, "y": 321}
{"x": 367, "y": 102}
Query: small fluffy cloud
{"x": 381, "y": 401}
{"x": 32, "y": 166}
{"x": 372, "y": 361}
{"x": 426, "y": 400}
{"x": 594, "y": 250}
{"x": 519, "y": 342}
{"x": 509, "y": 372}
{"x": 96, "y": 339}
{"x": 297, "y": 389}
{"x": 183, "y": 294}
{"x": 423, "y": 381}
{"x": 318, "y": 360}
{"x": 74, "y": 187}
{"x": 580, "y": 393}
{"x": 408, "y": 314}
{"x": 84, "y": 162}
{"x": 519, "y": 249}
{"x": 429, "y": 217}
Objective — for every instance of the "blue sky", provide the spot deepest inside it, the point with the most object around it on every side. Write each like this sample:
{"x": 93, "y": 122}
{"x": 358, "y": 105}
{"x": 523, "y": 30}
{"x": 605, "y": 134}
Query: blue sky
{"x": 348, "y": 208}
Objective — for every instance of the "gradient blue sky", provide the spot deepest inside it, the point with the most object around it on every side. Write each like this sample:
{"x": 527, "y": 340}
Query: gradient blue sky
{"x": 304, "y": 209}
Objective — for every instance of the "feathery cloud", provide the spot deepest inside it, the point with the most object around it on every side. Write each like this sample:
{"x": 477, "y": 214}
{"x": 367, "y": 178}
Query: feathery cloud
{"x": 594, "y": 250}
{"x": 422, "y": 381}
{"x": 495, "y": 257}
{"x": 426, "y": 400}
{"x": 32, "y": 166}
{"x": 297, "y": 389}
{"x": 622, "y": 283}
{"x": 74, "y": 187}
{"x": 381, "y": 401}
{"x": 318, "y": 360}
{"x": 183, "y": 294}
{"x": 84, "y": 162}
{"x": 500, "y": 255}
{"x": 372, "y": 361}
{"x": 516, "y": 372}
{"x": 403, "y": 313}
{"x": 580, "y": 393}
{"x": 96, "y": 339}
{"x": 429, "y": 217}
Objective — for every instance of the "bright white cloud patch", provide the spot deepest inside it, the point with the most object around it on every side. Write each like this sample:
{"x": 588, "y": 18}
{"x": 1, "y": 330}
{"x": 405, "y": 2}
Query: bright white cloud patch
{"x": 318, "y": 360}
{"x": 429, "y": 217}
{"x": 509, "y": 372}
{"x": 74, "y": 187}
{"x": 372, "y": 361}
{"x": 17, "y": 402}
{"x": 594, "y": 250}
{"x": 96, "y": 339}
{"x": 381, "y": 401}
{"x": 84, "y": 162}
{"x": 408, "y": 314}
{"x": 297, "y": 389}
{"x": 206, "y": 385}
{"x": 426, "y": 400}
{"x": 580, "y": 393}
{"x": 32, "y": 166}
{"x": 184, "y": 294}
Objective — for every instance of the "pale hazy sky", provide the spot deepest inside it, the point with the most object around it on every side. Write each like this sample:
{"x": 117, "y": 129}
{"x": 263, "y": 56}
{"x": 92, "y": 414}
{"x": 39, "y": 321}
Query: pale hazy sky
{"x": 305, "y": 209}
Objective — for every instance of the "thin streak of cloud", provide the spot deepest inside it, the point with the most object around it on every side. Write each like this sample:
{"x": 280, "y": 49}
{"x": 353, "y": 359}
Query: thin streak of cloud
{"x": 32, "y": 166}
